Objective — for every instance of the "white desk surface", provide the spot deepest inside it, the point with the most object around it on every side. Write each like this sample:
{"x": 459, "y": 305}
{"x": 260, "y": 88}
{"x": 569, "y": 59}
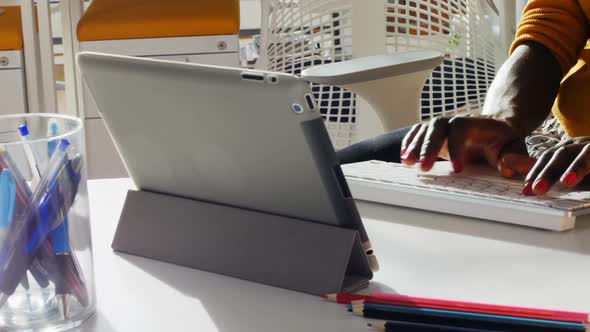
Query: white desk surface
{"x": 421, "y": 254}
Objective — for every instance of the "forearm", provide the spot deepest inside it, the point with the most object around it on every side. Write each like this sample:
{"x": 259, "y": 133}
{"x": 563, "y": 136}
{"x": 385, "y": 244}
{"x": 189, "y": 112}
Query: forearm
{"x": 525, "y": 88}
{"x": 385, "y": 147}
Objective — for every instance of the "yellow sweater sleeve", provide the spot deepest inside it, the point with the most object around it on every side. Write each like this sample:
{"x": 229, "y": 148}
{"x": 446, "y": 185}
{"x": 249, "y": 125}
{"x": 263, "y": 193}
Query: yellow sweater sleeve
{"x": 559, "y": 25}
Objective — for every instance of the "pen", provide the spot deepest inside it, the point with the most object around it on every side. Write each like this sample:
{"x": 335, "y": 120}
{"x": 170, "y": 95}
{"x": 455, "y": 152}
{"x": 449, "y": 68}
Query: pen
{"x": 7, "y": 202}
{"x": 29, "y": 236}
{"x": 60, "y": 242}
{"x": 36, "y": 268}
{"x": 22, "y": 200}
{"x": 7, "y": 205}
{"x": 33, "y": 162}
{"x": 35, "y": 172}
{"x": 68, "y": 277}
{"x": 52, "y": 131}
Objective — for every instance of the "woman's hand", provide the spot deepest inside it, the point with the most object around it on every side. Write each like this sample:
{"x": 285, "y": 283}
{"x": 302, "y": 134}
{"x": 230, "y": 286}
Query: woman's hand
{"x": 518, "y": 101}
{"x": 568, "y": 163}
{"x": 460, "y": 140}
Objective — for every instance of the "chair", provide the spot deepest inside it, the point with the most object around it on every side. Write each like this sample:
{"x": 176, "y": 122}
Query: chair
{"x": 300, "y": 34}
{"x": 197, "y": 31}
{"x": 12, "y": 72}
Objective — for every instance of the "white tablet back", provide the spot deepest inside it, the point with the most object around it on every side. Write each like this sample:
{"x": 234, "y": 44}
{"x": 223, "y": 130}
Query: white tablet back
{"x": 247, "y": 139}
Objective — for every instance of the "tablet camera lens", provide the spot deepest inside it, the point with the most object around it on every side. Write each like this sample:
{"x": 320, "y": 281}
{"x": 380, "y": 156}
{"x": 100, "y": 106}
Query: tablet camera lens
{"x": 297, "y": 108}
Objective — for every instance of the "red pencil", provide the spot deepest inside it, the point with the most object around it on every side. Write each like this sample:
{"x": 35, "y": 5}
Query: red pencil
{"x": 417, "y": 302}
{"x": 344, "y": 298}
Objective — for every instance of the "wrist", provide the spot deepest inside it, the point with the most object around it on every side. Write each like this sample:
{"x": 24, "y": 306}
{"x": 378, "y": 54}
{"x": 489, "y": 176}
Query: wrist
{"x": 521, "y": 126}
{"x": 524, "y": 90}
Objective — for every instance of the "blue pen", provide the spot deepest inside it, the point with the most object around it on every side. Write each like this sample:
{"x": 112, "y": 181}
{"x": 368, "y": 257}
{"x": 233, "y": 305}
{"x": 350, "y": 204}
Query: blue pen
{"x": 52, "y": 131}
{"x": 21, "y": 200}
{"x": 32, "y": 161}
{"x": 60, "y": 240}
{"x": 60, "y": 243}
{"x": 7, "y": 202}
{"x": 461, "y": 314}
{"x": 29, "y": 236}
{"x": 7, "y": 206}
{"x": 68, "y": 278}
{"x": 43, "y": 196}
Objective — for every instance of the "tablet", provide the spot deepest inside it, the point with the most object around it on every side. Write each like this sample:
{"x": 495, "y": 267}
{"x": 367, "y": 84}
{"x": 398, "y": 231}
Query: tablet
{"x": 242, "y": 138}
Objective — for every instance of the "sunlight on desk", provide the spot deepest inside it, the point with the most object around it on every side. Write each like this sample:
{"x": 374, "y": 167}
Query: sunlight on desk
{"x": 421, "y": 254}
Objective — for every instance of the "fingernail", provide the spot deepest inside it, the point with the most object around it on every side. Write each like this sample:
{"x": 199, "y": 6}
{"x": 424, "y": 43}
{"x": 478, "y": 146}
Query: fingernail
{"x": 457, "y": 166}
{"x": 541, "y": 186}
{"x": 426, "y": 163}
{"x": 528, "y": 189}
{"x": 410, "y": 155}
{"x": 569, "y": 179}
{"x": 403, "y": 152}
{"x": 507, "y": 172}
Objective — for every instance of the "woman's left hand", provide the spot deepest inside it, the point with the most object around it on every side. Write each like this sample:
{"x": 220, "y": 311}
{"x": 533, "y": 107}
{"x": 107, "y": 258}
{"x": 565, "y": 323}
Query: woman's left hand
{"x": 567, "y": 163}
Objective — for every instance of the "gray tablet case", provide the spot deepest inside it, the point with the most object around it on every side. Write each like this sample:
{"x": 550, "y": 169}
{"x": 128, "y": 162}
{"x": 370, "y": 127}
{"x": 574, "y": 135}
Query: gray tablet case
{"x": 236, "y": 142}
{"x": 279, "y": 251}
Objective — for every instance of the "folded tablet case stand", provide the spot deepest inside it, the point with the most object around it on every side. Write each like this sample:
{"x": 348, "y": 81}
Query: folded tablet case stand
{"x": 279, "y": 251}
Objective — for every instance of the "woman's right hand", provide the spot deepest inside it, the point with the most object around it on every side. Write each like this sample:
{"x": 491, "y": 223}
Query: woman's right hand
{"x": 463, "y": 140}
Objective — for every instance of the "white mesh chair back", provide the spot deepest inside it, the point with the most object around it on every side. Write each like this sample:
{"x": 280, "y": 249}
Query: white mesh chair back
{"x": 297, "y": 34}
{"x": 301, "y": 34}
{"x": 458, "y": 29}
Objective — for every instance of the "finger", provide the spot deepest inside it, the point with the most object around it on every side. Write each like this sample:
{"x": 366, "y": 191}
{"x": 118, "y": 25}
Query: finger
{"x": 436, "y": 135}
{"x": 550, "y": 174}
{"x": 514, "y": 159}
{"x": 413, "y": 152}
{"x": 535, "y": 171}
{"x": 409, "y": 138}
{"x": 511, "y": 164}
{"x": 458, "y": 128}
{"x": 505, "y": 170}
{"x": 578, "y": 170}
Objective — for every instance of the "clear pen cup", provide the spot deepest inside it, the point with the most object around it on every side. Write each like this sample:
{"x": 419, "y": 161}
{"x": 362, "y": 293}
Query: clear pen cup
{"x": 46, "y": 267}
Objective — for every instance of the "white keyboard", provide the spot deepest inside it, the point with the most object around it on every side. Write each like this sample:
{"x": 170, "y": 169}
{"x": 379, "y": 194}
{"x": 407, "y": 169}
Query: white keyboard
{"x": 477, "y": 192}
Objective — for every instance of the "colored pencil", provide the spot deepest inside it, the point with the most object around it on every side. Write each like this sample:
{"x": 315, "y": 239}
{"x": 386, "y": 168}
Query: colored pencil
{"x": 395, "y": 326}
{"x": 344, "y": 298}
{"x": 463, "y": 319}
{"x": 485, "y": 317}
{"x": 419, "y": 302}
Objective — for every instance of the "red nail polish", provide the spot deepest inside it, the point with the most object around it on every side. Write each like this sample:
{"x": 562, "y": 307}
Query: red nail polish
{"x": 508, "y": 172}
{"x": 541, "y": 186}
{"x": 457, "y": 166}
{"x": 403, "y": 153}
{"x": 569, "y": 179}
{"x": 528, "y": 189}
{"x": 426, "y": 163}
{"x": 410, "y": 155}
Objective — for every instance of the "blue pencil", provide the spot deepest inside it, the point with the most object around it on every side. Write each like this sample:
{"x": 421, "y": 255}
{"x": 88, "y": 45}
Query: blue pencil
{"x": 462, "y": 319}
{"x": 473, "y": 315}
